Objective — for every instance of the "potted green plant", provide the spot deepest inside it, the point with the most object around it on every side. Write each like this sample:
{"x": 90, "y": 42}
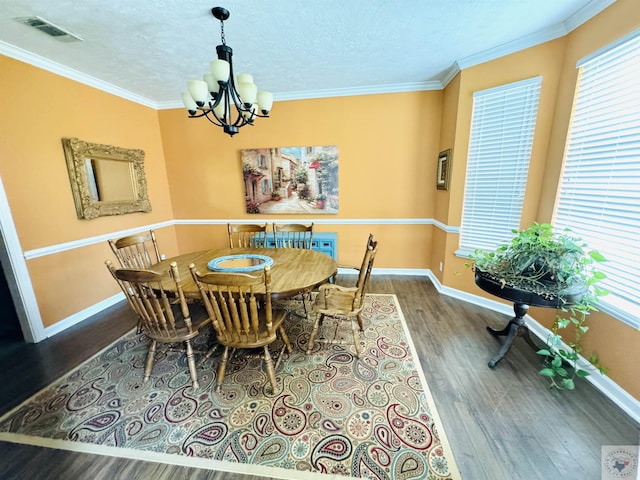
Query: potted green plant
{"x": 556, "y": 266}
{"x": 320, "y": 199}
{"x": 275, "y": 196}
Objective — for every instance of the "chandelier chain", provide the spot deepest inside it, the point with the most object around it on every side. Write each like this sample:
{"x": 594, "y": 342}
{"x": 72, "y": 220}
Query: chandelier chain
{"x": 224, "y": 42}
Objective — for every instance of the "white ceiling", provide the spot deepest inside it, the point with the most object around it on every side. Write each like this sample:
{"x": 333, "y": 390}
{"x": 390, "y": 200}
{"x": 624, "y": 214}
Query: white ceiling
{"x": 147, "y": 50}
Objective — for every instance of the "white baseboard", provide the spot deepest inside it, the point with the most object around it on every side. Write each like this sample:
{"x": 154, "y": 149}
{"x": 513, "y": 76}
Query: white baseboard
{"x": 389, "y": 271}
{"x": 82, "y": 315}
{"x": 603, "y": 383}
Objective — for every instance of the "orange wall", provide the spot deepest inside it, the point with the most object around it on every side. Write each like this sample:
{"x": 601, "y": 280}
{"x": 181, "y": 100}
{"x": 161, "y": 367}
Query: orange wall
{"x": 387, "y": 147}
{"x": 38, "y": 109}
{"x": 447, "y": 141}
{"x": 450, "y": 105}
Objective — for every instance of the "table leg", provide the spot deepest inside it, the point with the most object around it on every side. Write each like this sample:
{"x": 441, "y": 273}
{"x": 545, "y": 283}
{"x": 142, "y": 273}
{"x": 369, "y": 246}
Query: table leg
{"x": 306, "y": 301}
{"x": 515, "y": 328}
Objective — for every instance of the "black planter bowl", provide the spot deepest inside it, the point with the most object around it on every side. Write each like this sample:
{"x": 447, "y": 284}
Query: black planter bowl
{"x": 565, "y": 298}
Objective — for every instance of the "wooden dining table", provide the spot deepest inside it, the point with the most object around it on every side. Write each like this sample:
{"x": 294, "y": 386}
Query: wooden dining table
{"x": 294, "y": 270}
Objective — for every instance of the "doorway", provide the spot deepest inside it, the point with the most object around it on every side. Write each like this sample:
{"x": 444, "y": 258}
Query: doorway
{"x": 16, "y": 279}
{"x": 10, "y": 329}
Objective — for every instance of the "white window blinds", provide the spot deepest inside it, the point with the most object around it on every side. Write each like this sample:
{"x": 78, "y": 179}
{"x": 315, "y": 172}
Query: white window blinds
{"x": 502, "y": 126}
{"x": 599, "y": 195}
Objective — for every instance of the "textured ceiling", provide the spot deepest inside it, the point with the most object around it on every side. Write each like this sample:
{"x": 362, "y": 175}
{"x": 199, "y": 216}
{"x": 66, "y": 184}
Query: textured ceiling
{"x": 147, "y": 50}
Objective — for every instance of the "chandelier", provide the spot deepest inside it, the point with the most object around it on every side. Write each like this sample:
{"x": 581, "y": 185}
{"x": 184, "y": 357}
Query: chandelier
{"x": 226, "y": 102}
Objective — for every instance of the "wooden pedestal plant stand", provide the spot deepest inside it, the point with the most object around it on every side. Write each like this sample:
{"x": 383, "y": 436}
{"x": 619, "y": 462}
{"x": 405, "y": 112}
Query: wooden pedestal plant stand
{"x": 541, "y": 267}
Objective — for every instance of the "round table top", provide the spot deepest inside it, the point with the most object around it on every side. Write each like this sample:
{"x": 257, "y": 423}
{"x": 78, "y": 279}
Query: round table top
{"x": 294, "y": 270}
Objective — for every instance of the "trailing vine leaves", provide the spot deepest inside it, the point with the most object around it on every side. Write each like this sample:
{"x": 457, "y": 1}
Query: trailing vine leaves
{"x": 554, "y": 265}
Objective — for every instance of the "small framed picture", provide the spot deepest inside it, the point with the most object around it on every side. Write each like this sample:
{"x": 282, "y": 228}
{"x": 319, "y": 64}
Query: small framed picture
{"x": 444, "y": 169}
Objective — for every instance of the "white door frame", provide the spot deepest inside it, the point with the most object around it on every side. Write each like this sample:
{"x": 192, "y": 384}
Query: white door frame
{"x": 15, "y": 269}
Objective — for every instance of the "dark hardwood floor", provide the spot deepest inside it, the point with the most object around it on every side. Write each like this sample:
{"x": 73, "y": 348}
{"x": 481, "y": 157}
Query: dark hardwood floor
{"x": 502, "y": 423}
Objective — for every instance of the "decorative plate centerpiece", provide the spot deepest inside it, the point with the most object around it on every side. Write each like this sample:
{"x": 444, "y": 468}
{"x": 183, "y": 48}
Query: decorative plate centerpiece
{"x": 241, "y": 263}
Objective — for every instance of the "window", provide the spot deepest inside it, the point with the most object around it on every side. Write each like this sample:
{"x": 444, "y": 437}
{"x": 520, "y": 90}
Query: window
{"x": 599, "y": 192}
{"x": 502, "y": 126}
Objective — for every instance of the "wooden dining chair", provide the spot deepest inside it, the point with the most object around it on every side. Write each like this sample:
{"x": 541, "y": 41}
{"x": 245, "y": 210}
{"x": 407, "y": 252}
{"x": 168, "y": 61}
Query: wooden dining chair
{"x": 239, "y": 318}
{"x": 247, "y": 236}
{"x": 164, "y": 321}
{"x": 136, "y": 251}
{"x": 129, "y": 295}
{"x": 293, "y": 235}
{"x": 344, "y": 303}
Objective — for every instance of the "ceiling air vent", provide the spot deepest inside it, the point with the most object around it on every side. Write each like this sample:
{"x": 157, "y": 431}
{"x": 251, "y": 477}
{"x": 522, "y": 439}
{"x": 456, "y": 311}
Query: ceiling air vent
{"x": 50, "y": 29}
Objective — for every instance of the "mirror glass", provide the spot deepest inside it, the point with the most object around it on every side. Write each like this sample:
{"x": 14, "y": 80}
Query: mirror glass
{"x": 105, "y": 180}
{"x": 110, "y": 180}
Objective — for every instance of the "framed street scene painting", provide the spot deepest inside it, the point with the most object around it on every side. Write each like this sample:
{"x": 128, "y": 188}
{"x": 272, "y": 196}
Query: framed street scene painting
{"x": 291, "y": 180}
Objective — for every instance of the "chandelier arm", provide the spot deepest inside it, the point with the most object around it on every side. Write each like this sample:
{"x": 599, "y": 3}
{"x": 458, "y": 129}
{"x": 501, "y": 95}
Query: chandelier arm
{"x": 241, "y": 121}
{"x": 228, "y": 123}
{"x": 206, "y": 112}
{"x": 209, "y": 115}
{"x": 198, "y": 115}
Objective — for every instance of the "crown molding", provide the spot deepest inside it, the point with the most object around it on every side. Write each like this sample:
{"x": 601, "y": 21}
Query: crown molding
{"x": 354, "y": 91}
{"x": 169, "y": 105}
{"x": 337, "y": 92}
{"x": 523, "y": 43}
{"x": 587, "y": 12}
{"x": 450, "y": 73}
{"x": 551, "y": 33}
{"x": 53, "y": 67}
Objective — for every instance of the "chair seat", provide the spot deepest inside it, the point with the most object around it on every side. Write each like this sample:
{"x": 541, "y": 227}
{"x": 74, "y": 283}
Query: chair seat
{"x": 334, "y": 300}
{"x": 181, "y": 334}
{"x": 199, "y": 319}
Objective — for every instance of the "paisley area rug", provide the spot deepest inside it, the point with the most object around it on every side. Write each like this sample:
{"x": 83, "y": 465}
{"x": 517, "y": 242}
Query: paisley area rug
{"x": 333, "y": 415}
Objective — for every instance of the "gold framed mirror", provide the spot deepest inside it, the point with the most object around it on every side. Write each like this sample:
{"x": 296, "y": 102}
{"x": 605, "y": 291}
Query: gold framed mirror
{"x": 105, "y": 180}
